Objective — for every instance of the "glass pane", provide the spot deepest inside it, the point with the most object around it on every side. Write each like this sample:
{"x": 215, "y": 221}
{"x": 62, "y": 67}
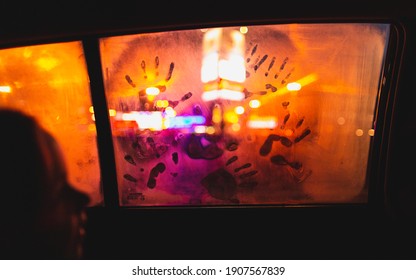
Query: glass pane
{"x": 272, "y": 114}
{"x": 51, "y": 83}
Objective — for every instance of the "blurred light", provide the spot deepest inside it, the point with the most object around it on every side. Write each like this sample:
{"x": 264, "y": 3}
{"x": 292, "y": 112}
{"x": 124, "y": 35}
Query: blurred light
{"x": 210, "y": 130}
{"x": 295, "y": 86}
{"x": 5, "y": 89}
{"x": 216, "y": 114}
{"x": 244, "y": 29}
{"x": 231, "y": 117}
{"x": 289, "y": 132}
{"x": 341, "y": 120}
{"x": 145, "y": 120}
{"x": 262, "y": 122}
{"x": 254, "y": 103}
{"x": 170, "y": 112}
{"x": 112, "y": 112}
{"x": 184, "y": 121}
{"x": 91, "y": 109}
{"x": 359, "y": 132}
{"x": 371, "y": 132}
{"x": 162, "y": 103}
{"x": 153, "y": 91}
{"x": 224, "y": 94}
{"x": 239, "y": 110}
{"x": 236, "y": 127}
{"x": 302, "y": 82}
{"x": 223, "y": 66}
{"x": 200, "y": 129}
{"x": 47, "y": 63}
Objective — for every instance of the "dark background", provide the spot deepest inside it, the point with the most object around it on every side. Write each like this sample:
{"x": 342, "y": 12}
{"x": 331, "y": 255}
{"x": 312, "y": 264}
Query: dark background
{"x": 383, "y": 229}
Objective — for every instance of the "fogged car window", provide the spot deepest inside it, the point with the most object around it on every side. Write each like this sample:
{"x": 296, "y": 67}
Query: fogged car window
{"x": 274, "y": 114}
{"x": 51, "y": 83}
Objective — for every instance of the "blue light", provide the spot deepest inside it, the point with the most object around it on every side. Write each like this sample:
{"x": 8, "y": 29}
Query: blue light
{"x": 185, "y": 121}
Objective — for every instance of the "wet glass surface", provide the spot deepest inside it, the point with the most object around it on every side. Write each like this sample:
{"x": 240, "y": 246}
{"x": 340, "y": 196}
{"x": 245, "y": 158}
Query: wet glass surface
{"x": 296, "y": 130}
{"x": 51, "y": 83}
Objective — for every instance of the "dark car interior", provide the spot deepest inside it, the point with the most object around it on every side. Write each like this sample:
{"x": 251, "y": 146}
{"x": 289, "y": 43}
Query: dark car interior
{"x": 247, "y": 131}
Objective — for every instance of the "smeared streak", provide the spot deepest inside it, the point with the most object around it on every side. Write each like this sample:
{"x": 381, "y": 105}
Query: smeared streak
{"x": 247, "y": 165}
{"x": 186, "y": 96}
{"x": 143, "y": 66}
{"x": 129, "y": 177}
{"x": 285, "y": 121}
{"x": 156, "y": 170}
{"x": 281, "y": 160}
{"x": 196, "y": 150}
{"x": 247, "y": 93}
{"x": 175, "y": 157}
{"x": 232, "y": 146}
{"x": 270, "y": 86}
{"x": 130, "y": 81}
{"x": 220, "y": 184}
{"x": 253, "y": 51}
{"x": 197, "y": 110}
{"x": 282, "y": 66}
{"x": 262, "y": 60}
{"x": 231, "y": 160}
{"x": 157, "y": 65}
{"x": 304, "y": 133}
{"x": 152, "y": 144}
{"x": 270, "y": 66}
{"x": 266, "y": 148}
{"x": 287, "y": 76}
{"x": 286, "y": 141}
{"x": 248, "y": 174}
{"x": 300, "y": 122}
{"x": 175, "y": 103}
{"x": 285, "y": 104}
{"x": 129, "y": 159}
{"x": 169, "y": 75}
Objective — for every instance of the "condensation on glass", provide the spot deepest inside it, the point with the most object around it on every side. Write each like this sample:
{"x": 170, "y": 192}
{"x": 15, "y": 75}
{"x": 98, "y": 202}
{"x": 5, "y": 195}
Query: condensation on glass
{"x": 296, "y": 128}
{"x": 51, "y": 83}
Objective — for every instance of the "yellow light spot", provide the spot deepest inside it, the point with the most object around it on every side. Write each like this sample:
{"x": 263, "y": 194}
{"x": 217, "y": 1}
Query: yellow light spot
{"x": 254, "y": 103}
{"x": 210, "y": 130}
{"x": 371, "y": 132}
{"x": 236, "y": 127}
{"x": 239, "y": 110}
{"x": 288, "y": 132}
{"x": 112, "y": 112}
{"x": 231, "y": 117}
{"x": 91, "y": 109}
{"x": 162, "y": 103}
{"x": 243, "y": 29}
{"x": 341, "y": 120}
{"x": 47, "y": 63}
{"x": 359, "y": 132}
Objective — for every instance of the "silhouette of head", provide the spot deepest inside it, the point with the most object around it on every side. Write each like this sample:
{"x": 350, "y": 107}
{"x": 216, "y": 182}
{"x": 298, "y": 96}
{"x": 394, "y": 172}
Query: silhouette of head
{"x": 42, "y": 215}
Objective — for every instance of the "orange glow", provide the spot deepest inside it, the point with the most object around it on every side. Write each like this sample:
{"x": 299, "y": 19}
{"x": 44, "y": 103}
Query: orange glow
{"x": 47, "y": 63}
